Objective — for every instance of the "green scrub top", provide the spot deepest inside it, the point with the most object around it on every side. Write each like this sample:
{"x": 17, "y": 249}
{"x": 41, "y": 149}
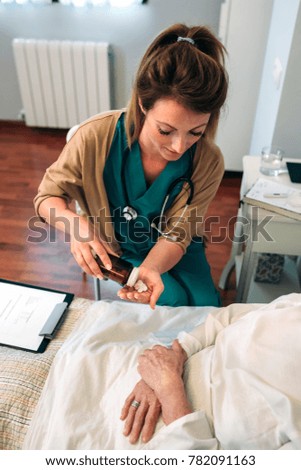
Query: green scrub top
{"x": 126, "y": 185}
{"x": 187, "y": 283}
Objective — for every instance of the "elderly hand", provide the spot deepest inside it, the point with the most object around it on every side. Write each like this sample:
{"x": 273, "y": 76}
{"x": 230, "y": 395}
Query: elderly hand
{"x": 162, "y": 368}
{"x": 142, "y": 419}
{"x": 153, "y": 281}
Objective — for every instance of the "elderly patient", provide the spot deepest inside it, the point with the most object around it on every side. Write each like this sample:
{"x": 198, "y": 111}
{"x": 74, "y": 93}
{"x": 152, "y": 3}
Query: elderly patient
{"x": 255, "y": 380}
{"x": 161, "y": 390}
{"x": 234, "y": 382}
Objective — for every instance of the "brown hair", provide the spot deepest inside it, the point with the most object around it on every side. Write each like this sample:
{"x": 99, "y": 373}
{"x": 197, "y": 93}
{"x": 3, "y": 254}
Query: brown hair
{"x": 191, "y": 73}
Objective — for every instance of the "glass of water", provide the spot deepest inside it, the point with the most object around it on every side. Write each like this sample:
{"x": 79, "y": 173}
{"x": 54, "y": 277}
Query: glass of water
{"x": 271, "y": 160}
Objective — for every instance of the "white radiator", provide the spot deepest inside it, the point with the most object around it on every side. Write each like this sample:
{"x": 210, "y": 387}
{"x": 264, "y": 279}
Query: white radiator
{"x": 62, "y": 82}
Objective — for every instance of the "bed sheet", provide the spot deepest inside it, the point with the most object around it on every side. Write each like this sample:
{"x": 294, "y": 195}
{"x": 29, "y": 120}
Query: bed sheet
{"x": 22, "y": 378}
{"x": 95, "y": 370}
{"x": 236, "y": 404}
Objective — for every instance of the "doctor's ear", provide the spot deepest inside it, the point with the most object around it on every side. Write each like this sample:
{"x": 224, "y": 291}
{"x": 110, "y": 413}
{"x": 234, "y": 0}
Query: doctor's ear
{"x": 141, "y": 106}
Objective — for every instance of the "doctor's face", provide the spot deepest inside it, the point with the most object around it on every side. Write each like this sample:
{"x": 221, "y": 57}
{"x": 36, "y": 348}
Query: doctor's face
{"x": 170, "y": 129}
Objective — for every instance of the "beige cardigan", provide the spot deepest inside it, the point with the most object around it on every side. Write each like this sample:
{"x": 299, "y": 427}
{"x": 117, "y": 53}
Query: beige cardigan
{"x": 78, "y": 175}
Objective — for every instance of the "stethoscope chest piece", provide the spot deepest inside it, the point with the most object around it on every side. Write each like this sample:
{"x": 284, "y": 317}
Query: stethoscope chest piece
{"x": 129, "y": 213}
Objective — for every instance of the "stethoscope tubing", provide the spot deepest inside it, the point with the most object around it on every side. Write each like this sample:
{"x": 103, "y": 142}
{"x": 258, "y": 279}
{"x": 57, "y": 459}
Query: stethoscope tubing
{"x": 169, "y": 191}
{"x": 130, "y": 212}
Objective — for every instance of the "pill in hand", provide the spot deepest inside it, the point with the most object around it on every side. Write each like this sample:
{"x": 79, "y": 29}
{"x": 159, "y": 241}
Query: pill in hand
{"x": 140, "y": 286}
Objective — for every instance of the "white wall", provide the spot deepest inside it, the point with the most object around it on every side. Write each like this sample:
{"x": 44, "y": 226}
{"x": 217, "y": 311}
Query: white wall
{"x": 129, "y": 31}
{"x": 245, "y": 29}
{"x": 279, "y": 107}
{"x": 260, "y": 112}
{"x": 256, "y": 31}
{"x": 287, "y": 127}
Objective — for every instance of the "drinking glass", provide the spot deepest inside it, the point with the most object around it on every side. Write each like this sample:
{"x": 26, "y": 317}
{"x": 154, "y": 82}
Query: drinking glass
{"x": 271, "y": 160}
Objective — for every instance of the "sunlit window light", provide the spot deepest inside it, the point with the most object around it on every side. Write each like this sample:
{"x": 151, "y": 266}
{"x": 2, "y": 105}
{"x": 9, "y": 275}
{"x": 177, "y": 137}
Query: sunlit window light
{"x": 98, "y": 3}
{"x": 124, "y": 3}
{"x": 79, "y": 3}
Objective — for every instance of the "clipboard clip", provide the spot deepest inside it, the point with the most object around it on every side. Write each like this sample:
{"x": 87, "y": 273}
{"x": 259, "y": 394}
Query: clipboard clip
{"x": 53, "y": 321}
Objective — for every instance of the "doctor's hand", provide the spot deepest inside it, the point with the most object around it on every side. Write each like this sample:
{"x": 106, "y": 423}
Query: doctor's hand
{"x": 155, "y": 287}
{"x": 142, "y": 418}
{"x": 84, "y": 241}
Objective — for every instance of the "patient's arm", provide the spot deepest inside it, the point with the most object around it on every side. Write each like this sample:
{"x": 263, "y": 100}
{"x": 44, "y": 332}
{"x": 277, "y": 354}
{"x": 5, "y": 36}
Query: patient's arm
{"x": 142, "y": 420}
{"x": 162, "y": 368}
{"x": 206, "y": 333}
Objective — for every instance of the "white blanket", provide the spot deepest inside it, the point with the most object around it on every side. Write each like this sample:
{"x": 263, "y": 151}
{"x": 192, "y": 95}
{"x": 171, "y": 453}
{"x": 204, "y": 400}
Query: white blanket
{"x": 95, "y": 370}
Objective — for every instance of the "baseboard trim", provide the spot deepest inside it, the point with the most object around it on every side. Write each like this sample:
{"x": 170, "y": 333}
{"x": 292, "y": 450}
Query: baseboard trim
{"x": 233, "y": 174}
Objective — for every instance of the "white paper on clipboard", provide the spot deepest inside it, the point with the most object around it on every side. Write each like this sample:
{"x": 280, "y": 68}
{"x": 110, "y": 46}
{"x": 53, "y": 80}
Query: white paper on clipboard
{"x": 23, "y": 312}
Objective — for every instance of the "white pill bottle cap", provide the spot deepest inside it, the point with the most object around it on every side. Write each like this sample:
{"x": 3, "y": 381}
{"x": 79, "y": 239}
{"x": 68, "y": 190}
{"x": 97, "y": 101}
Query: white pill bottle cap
{"x": 133, "y": 277}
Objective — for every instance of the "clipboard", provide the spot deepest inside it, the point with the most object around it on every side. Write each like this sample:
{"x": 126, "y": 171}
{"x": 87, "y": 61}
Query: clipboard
{"x": 30, "y": 315}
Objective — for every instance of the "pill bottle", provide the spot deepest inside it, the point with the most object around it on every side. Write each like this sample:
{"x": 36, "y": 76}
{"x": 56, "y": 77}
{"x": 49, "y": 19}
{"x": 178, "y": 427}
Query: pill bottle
{"x": 122, "y": 271}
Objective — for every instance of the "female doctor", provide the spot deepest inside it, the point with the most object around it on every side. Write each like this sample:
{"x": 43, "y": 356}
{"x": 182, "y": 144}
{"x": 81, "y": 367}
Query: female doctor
{"x": 144, "y": 176}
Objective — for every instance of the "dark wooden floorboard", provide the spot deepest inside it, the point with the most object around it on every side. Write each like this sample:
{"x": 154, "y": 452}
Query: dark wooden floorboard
{"x": 32, "y": 253}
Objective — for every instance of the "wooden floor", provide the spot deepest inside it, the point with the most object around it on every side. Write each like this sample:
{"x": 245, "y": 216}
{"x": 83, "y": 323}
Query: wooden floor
{"x": 30, "y": 254}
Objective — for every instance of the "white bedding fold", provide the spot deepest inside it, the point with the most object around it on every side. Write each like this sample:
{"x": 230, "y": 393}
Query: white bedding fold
{"x": 244, "y": 386}
{"x": 95, "y": 370}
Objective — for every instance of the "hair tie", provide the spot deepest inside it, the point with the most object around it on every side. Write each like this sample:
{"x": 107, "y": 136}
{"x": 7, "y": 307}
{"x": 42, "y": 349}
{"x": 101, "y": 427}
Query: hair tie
{"x": 191, "y": 41}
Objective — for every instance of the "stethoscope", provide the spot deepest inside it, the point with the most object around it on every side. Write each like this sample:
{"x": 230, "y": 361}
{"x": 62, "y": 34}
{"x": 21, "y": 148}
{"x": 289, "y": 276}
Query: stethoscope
{"x": 130, "y": 213}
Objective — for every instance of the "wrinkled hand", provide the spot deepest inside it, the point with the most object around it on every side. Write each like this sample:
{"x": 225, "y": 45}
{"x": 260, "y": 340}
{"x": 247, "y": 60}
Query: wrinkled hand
{"x": 83, "y": 240}
{"x": 162, "y": 368}
{"x": 155, "y": 286}
{"x": 140, "y": 421}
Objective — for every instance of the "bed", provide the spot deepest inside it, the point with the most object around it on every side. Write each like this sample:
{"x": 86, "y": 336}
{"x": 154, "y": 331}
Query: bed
{"x": 40, "y": 392}
{"x": 22, "y": 378}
